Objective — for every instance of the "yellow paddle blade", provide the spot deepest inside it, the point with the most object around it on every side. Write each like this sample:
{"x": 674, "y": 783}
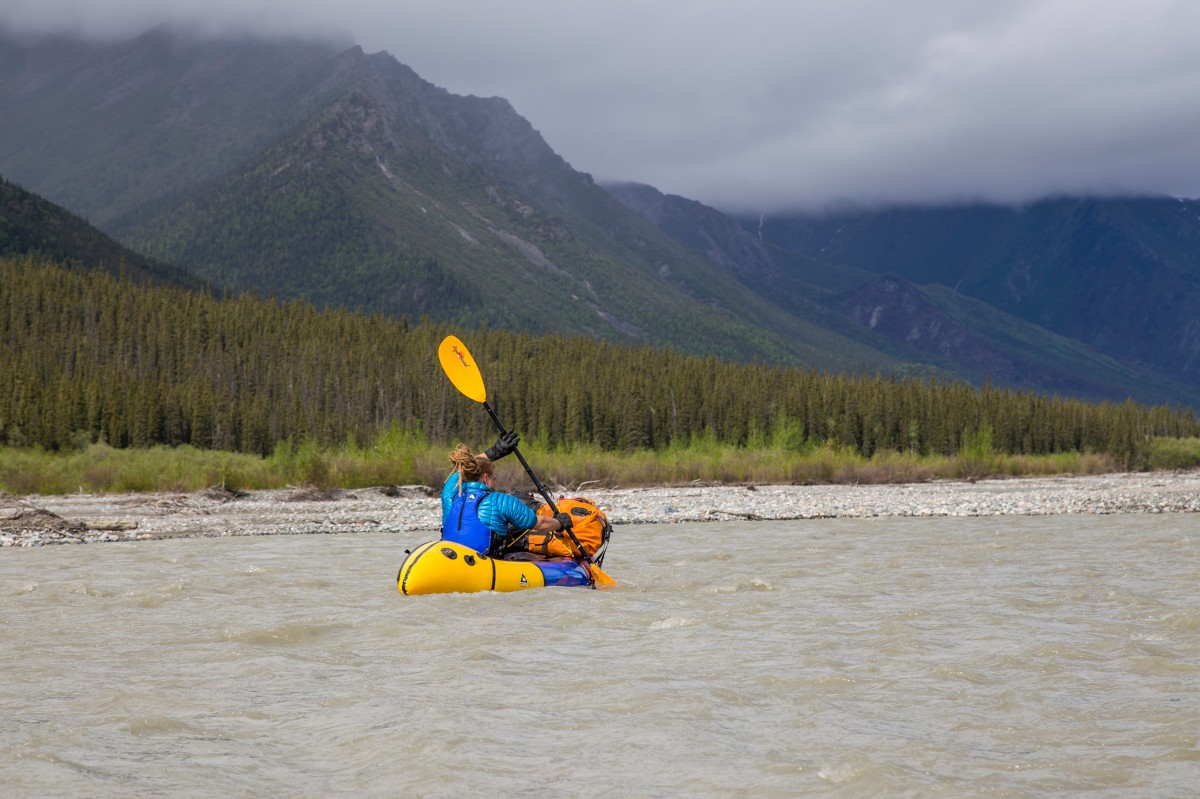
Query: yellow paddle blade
{"x": 602, "y": 579}
{"x": 460, "y": 367}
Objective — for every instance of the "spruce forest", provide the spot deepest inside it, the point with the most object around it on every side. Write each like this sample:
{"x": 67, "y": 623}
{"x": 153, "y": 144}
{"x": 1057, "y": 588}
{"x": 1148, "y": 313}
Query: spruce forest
{"x": 89, "y": 356}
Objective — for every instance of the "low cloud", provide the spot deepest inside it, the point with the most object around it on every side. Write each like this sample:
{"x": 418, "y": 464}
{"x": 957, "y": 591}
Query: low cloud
{"x": 760, "y": 105}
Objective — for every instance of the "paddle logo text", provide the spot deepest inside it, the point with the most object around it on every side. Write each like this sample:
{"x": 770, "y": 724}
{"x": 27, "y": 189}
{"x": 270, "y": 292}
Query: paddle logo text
{"x": 462, "y": 358}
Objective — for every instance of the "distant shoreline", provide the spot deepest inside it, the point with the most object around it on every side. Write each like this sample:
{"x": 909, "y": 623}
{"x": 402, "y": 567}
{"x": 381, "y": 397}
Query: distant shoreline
{"x": 413, "y": 511}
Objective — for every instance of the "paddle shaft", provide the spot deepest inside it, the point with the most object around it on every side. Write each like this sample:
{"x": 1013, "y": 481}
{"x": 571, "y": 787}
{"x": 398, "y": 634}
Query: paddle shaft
{"x": 538, "y": 483}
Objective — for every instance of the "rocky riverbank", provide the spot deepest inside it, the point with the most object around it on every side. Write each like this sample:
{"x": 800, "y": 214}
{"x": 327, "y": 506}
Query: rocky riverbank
{"x": 413, "y": 510}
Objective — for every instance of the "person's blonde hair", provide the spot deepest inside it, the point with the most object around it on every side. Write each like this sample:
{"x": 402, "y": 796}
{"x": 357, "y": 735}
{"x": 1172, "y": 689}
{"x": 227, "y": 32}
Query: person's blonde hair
{"x": 470, "y": 467}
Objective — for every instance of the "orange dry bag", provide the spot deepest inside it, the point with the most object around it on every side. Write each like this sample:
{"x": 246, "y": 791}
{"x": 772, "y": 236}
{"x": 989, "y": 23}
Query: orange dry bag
{"x": 589, "y": 523}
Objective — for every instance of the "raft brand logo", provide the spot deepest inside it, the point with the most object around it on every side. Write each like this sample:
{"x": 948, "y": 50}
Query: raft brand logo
{"x": 524, "y": 580}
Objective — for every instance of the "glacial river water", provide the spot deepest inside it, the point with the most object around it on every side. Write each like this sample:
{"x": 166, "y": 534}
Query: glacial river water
{"x": 1000, "y": 657}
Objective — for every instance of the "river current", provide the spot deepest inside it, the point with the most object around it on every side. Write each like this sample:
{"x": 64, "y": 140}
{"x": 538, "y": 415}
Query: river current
{"x": 1035, "y": 656}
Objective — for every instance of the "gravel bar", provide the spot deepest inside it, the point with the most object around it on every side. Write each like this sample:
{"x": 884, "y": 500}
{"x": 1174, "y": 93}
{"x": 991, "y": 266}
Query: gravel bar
{"x": 413, "y": 510}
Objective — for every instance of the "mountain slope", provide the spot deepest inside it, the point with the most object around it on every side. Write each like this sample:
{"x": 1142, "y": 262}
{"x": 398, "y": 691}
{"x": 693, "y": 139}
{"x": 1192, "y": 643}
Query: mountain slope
{"x": 980, "y": 343}
{"x": 109, "y": 130}
{"x": 30, "y": 225}
{"x": 777, "y": 273}
{"x": 1119, "y": 275}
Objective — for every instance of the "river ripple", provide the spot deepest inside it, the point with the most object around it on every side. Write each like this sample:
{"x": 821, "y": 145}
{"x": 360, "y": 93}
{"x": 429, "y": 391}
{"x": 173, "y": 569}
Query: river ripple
{"x": 1000, "y": 656}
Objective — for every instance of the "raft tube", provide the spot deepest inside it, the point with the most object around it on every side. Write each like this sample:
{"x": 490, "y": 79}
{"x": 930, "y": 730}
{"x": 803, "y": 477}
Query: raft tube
{"x": 444, "y": 567}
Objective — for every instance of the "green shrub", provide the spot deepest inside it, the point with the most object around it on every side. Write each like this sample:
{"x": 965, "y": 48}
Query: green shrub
{"x": 1174, "y": 453}
{"x": 399, "y": 457}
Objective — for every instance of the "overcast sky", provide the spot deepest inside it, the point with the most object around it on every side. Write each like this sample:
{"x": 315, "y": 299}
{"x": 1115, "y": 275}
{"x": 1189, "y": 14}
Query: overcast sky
{"x": 762, "y": 104}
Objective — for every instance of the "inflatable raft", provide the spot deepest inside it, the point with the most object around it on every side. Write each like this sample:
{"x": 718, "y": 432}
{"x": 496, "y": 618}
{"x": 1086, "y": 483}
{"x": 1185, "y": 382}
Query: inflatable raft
{"x": 444, "y": 567}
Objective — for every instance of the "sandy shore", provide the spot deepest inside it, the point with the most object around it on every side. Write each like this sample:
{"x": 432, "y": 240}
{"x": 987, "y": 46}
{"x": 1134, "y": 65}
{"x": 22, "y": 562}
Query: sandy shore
{"x": 413, "y": 510}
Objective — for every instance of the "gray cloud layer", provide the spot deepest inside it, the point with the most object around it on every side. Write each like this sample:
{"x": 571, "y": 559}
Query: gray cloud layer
{"x": 759, "y": 104}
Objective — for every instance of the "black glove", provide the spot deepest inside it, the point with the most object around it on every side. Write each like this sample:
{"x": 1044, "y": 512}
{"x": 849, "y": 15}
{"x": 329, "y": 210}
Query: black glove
{"x": 504, "y": 445}
{"x": 564, "y": 519}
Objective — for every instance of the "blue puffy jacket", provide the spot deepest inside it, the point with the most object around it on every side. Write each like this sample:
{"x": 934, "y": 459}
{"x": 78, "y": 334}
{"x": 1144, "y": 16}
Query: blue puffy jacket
{"x": 471, "y": 516}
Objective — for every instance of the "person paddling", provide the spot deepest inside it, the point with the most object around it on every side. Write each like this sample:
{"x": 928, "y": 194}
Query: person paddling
{"x": 474, "y": 514}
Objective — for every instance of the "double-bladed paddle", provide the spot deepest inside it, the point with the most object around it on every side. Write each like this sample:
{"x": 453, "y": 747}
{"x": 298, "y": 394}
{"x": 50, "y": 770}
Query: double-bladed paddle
{"x": 464, "y": 373}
